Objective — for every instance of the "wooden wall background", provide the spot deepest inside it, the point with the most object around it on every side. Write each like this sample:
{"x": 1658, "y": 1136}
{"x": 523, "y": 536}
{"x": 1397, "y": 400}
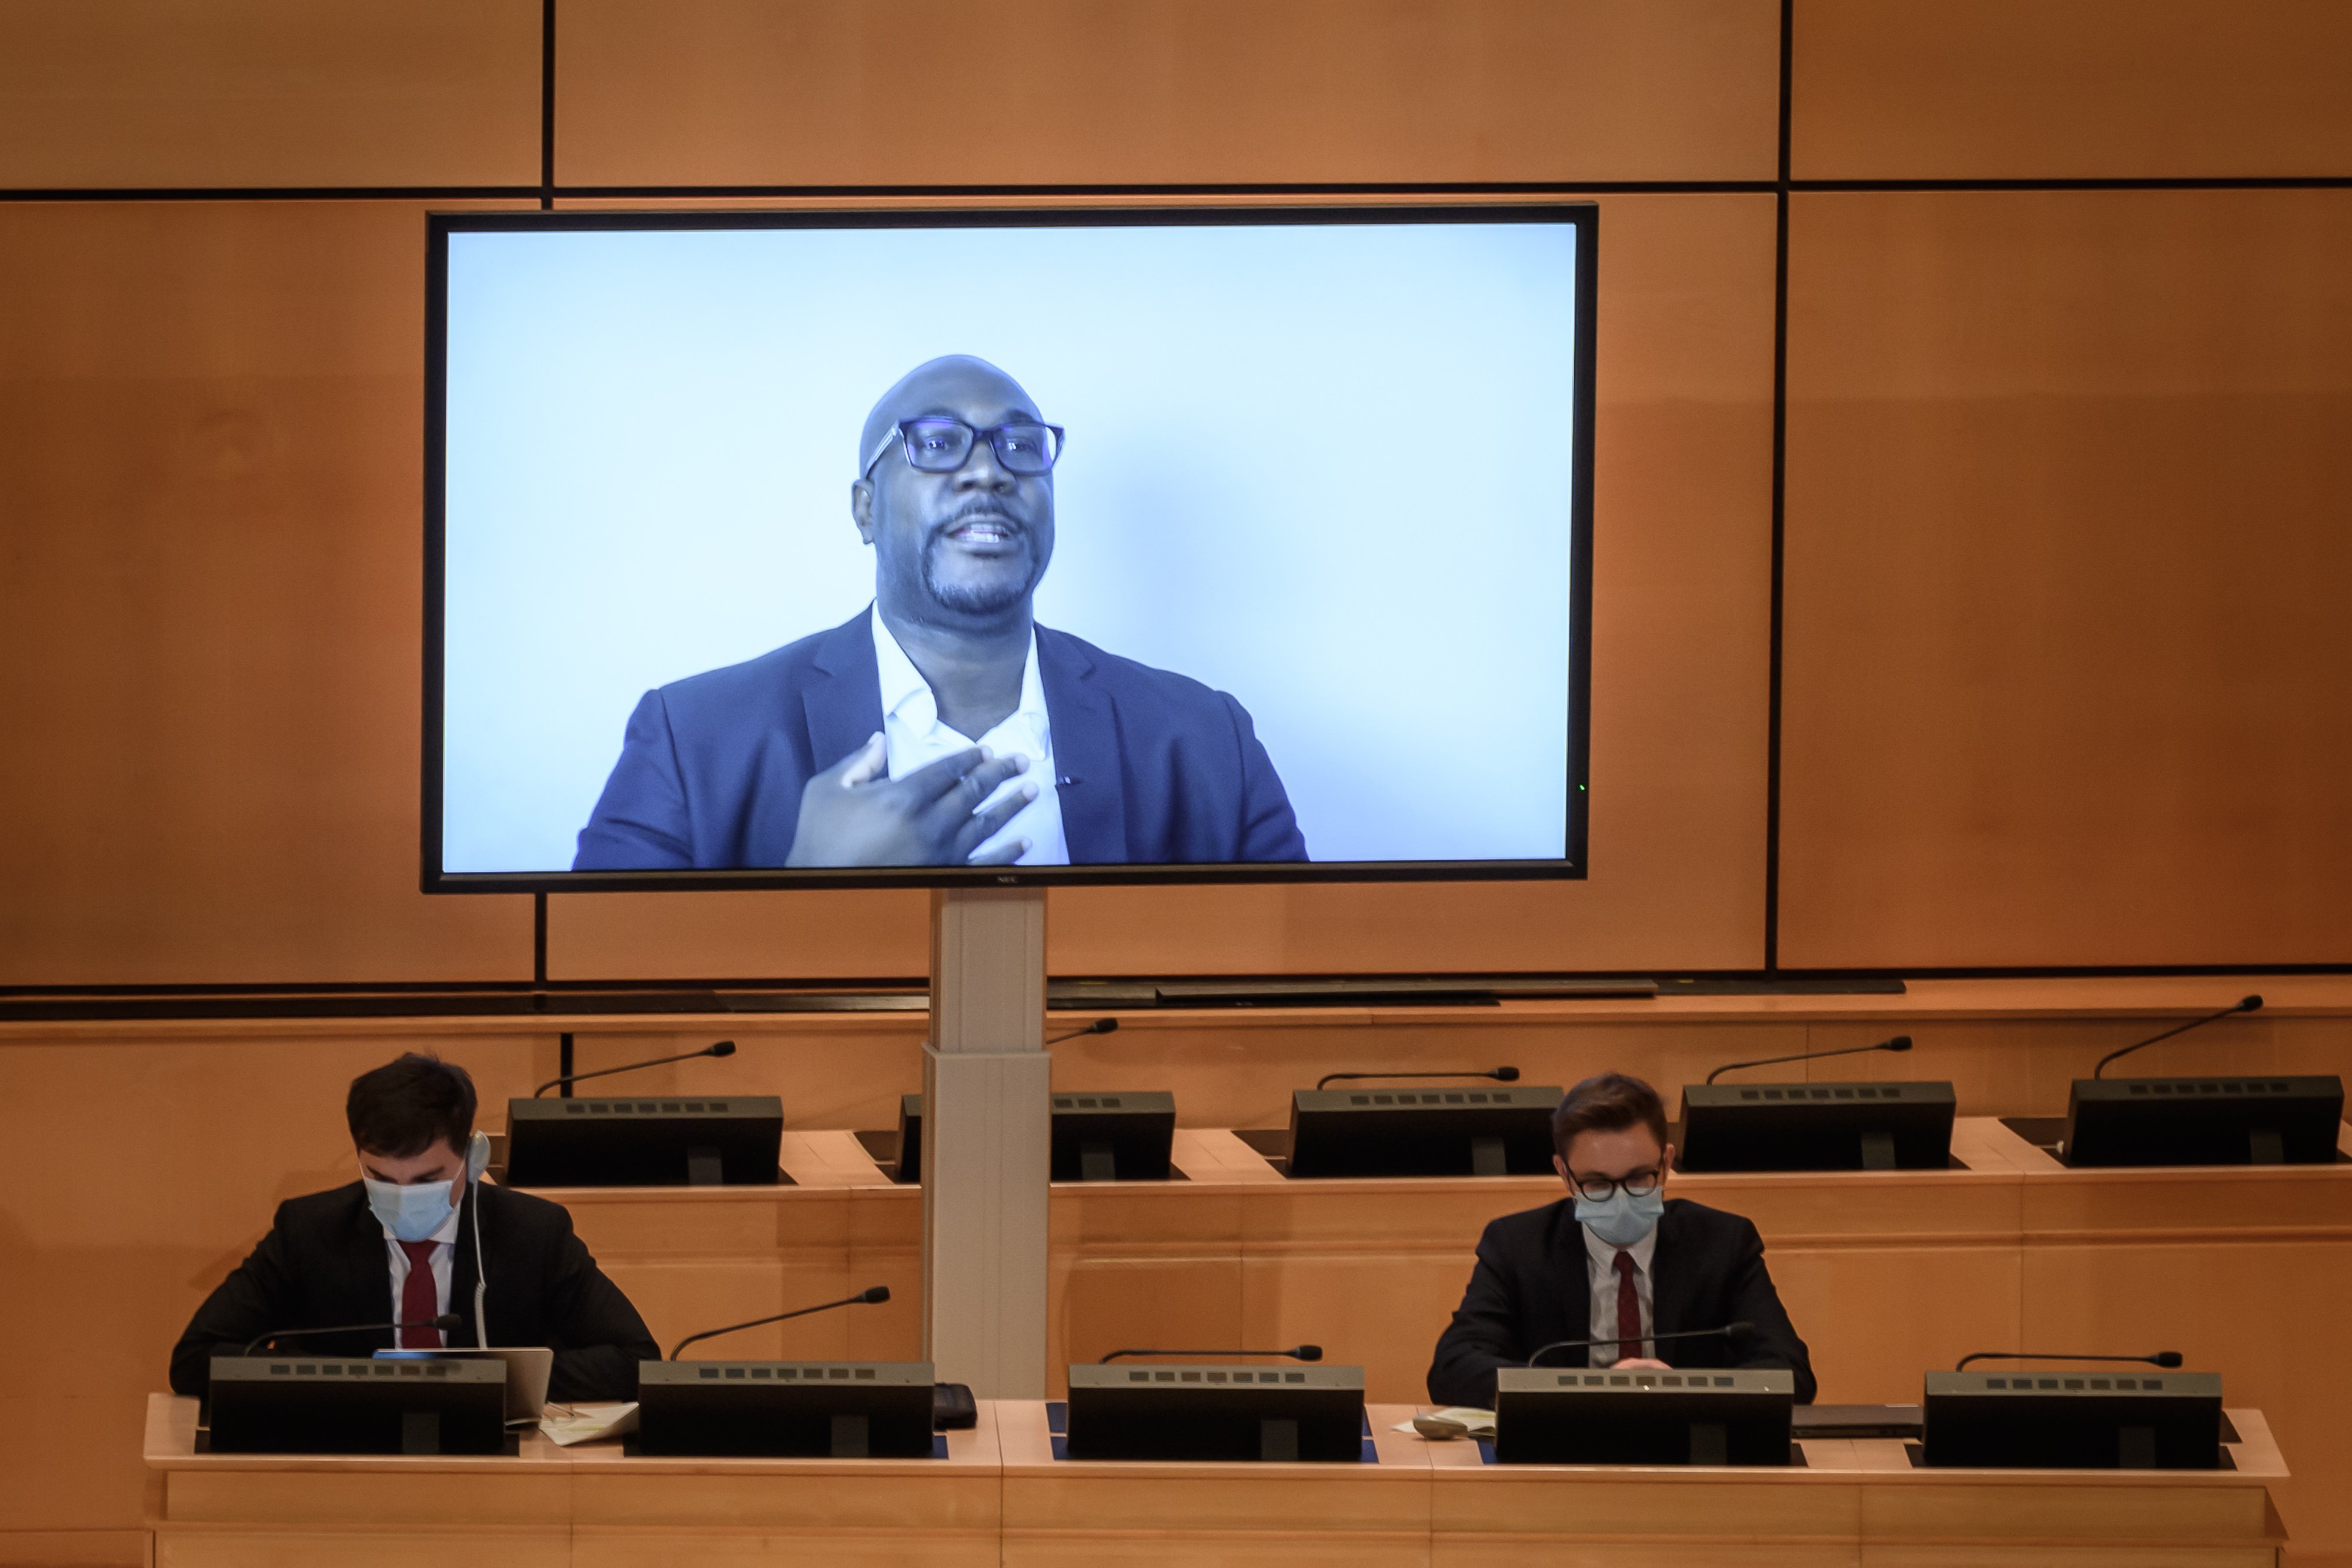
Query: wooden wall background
{"x": 2064, "y": 679}
{"x": 2033, "y": 656}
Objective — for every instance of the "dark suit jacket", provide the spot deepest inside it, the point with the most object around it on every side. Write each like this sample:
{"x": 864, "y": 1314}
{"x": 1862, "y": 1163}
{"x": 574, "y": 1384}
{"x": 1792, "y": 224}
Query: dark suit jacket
{"x": 1531, "y": 1287}
{"x": 324, "y": 1262}
{"x": 1154, "y": 768}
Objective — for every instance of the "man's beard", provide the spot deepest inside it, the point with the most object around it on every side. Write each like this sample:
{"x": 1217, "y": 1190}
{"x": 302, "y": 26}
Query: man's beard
{"x": 969, "y": 600}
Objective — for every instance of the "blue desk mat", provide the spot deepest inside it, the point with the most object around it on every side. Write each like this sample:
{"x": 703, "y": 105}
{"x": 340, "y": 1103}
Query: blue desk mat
{"x": 629, "y": 1447}
{"x": 1058, "y": 1422}
{"x": 1487, "y": 1453}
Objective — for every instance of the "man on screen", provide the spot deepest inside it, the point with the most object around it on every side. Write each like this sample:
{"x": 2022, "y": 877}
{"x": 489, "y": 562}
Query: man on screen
{"x": 1616, "y": 1257}
{"x": 942, "y": 726}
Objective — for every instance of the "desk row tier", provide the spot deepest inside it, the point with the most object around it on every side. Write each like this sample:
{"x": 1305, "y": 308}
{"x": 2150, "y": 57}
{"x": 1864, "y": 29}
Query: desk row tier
{"x": 1886, "y": 1273}
{"x": 999, "y": 1495}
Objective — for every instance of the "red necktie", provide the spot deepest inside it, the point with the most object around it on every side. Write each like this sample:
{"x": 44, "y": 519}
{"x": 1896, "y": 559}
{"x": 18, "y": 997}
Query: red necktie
{"x": 420, "y": 1302}
{"x": 1628, "y": 1308}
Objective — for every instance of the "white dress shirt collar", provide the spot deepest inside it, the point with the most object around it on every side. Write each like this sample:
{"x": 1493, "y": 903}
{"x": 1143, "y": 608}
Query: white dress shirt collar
{"x": 1603, "y": 1254}
{"x": 914, "y": 736}
{"x": 907, "y": 697}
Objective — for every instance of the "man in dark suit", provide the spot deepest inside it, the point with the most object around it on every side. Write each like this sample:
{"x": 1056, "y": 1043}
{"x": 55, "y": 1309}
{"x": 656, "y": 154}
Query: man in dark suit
{"x": 1616, "y": 1257}
{"x": 943, "y": 726}
{"x": 399, "y": 1247}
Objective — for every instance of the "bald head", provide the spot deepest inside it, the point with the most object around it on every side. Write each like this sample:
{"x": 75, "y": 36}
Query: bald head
{"x": 958, "y": 550}
{"x": 946, "y": 385}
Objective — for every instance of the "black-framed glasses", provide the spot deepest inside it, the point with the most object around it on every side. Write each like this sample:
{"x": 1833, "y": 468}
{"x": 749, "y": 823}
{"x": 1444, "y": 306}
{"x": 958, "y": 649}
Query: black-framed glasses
{"x": 937, "y": 444}
{"x": 1602, "y": 1188}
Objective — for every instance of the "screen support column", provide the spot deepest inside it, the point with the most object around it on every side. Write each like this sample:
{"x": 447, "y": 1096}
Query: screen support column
{"x": 987, "y": 1082}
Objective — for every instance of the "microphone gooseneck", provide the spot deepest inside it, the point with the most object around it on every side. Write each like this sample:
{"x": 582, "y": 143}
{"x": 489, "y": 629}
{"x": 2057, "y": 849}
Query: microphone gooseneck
{"x": 1100, "y": 1026}
{"x": 444, "y": 1323}
{"x": 1735, "y": 1333}
{"x": 872, "y": 1296}
{"x": 2242, "y": 1005}
{"x": 2168, "y": 1359}
{"x": 1500, "y": 1075}
{"x": 1295, "y": 1353}
{"x": 1900, "y": 1042}
{"x": 723, "y": 1047}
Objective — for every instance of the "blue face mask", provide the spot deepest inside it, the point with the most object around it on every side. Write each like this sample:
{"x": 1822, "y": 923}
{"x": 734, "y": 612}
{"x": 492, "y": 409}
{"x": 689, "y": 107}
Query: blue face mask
{"x": 411, "y": 1213}
{"x": 1621, "y": 1220}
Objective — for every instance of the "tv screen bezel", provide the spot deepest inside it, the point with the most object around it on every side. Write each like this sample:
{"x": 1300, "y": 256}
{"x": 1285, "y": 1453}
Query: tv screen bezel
{"x": 1447, "y": 207}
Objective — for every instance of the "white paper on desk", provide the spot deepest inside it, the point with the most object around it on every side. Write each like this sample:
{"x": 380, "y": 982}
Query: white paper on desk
{"x": 570, "y": 1423}
{"x": 1480, "y": 1422}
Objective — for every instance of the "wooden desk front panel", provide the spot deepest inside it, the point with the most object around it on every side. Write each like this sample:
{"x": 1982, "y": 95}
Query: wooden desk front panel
{"x": 1001, "y": 1496}
{"x": 632, "y": 1512}
{"x": 273, "y": 1512}
{"x": 1061, "y": 1512}
{"x": 2243, "y": 1271}
{"x": 1858, "y": 1504}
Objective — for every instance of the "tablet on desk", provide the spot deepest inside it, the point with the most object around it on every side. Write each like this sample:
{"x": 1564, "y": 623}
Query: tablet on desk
{"x": 528, "y": 1367}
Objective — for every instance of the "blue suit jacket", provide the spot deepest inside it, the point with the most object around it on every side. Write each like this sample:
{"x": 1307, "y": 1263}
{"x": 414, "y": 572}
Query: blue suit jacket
{"x": 1154, "y": 768}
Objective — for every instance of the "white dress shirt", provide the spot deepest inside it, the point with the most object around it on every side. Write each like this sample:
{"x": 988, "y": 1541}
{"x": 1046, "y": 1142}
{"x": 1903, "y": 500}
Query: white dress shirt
{"x": 914, "y": 736}
{"x": 1600, "y": 1265}
{"x": 444, "y": 1246}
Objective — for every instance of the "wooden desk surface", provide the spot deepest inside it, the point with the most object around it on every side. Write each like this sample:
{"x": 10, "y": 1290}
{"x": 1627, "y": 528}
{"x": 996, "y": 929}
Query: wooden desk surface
{"x": 1001, "y": 1496}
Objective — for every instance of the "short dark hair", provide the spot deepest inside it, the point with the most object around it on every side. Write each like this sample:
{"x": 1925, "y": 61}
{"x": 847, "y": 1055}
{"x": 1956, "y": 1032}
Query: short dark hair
{"x": 1607, "y": 1103}
{"x": 406, "y": 1107}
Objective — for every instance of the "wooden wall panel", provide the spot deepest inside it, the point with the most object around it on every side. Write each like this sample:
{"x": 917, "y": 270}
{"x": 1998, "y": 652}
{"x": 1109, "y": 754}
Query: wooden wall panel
{"x": 211, "y": 427}
{"x": 1682, "y": 561}
{"x": 1976, "y": 90}
{"x": 858, "y": 92}
{"x": 237, "y": 93}
{"x": 868, "y": 934}
{"x": 2068, "y": 678}
{"x": 150, "y": 1170}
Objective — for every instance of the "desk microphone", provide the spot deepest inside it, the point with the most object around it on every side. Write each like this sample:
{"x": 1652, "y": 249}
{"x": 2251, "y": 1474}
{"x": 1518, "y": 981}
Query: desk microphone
{"x": 1295, "y": 1353}
{"x": 446, "y": 1322}
{"x": 2242, "y": 1005}
{"x": 2168, "y": 1359}
{"x": 873, "y": 1295}
{"x": 1900, "y": 1042}
{"x": 1735, "y": 1333}
{"x": 1100, "y": 1026}
{"x": 1500, "y": 1075}
{"x": 724, "y": 1048}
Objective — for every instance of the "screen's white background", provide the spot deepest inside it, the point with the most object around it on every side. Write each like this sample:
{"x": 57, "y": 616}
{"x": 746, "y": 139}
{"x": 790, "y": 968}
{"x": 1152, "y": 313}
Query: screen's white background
{"x": 1324, "y": 468}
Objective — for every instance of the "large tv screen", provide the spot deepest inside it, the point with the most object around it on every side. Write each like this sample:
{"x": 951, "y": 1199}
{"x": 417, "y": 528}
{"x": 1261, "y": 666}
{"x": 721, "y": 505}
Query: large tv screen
{"x": 798, "y": 547}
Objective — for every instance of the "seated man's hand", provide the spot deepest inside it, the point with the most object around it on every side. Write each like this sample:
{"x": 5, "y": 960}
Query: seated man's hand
{"x": 1640, "y": 1364}
{"x": 855, "y": 813}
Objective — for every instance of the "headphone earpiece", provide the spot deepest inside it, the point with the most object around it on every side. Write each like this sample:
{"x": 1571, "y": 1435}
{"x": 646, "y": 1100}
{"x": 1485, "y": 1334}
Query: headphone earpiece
{"x": 478, "y": 1155}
